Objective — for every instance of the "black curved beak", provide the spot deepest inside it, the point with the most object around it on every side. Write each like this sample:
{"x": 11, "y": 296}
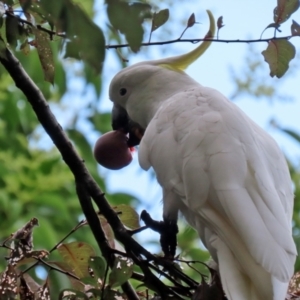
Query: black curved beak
{"x": 121, "y": 121}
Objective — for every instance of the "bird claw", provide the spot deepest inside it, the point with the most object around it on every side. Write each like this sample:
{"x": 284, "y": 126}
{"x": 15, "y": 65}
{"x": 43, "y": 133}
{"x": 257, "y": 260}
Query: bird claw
{"x": 167, "y": 230}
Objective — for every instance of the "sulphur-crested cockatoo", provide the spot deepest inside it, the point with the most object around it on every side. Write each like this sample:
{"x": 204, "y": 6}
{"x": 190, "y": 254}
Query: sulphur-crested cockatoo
{"x": 224, "y": 173}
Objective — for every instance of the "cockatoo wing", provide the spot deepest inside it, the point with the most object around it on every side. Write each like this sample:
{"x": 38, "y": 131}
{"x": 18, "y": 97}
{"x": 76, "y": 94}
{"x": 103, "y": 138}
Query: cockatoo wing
{"x": 231, "y": 178}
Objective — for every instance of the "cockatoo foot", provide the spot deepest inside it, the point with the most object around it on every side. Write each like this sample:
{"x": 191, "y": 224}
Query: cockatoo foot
{"x": 167, "y": 230}
{"x": 212, "y": 290}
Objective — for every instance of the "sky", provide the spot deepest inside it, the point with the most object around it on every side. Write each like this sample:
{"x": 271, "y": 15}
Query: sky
{"x": 243, "y": 20}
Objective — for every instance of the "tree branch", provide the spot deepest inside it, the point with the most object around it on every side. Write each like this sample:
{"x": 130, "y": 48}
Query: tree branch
{"x": 83, "y": 179}
{"x": 39, "y": 27}
{"x": 195, "y": 41}
{"x": 87, "y": 187}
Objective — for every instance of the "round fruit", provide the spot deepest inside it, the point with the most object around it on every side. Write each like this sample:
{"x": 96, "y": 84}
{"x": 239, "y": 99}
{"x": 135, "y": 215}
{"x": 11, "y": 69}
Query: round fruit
{"x": 111, "y": 150}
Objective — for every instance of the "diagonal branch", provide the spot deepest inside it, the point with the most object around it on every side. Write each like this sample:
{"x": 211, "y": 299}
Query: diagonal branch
{"x": 83, "y": 179}
{"x": 86, "y": 186}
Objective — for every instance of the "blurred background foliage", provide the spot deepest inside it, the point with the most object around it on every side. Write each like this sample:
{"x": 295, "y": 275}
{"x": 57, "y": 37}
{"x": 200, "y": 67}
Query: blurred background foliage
{"x": 34, "y": 181}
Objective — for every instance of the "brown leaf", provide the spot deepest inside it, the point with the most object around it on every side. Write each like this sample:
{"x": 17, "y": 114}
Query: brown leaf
{"x": 294, "y": 285}
{"x": 284, "y": 9}
{"x": 191, "y": 21}
{"x": 159, "y": 19}
{"x": 220, "y": 22}
{"x": 273, "y": 25}
{"x": 34, "y": 286}
{"x": 26, "y": 231}
{"x": 25, "y": 291}
{"x": 43, "y": 293}
{"x": 295, "y": 28}
{"x": 77, "y": 255}
{"x": 23, "y": 242}
{"x": 8, "y": 283}
{"x": 44, "y": 50}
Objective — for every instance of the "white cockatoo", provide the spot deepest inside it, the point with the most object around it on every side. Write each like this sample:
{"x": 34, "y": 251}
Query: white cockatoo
{"x": 224, "y": 173}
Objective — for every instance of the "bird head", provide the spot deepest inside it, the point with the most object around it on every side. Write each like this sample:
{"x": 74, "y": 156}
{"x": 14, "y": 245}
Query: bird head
{"x": 139, "y": 90}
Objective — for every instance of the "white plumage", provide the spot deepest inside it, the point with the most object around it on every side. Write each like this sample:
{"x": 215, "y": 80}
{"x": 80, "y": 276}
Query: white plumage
{"x": 223, "y": 172}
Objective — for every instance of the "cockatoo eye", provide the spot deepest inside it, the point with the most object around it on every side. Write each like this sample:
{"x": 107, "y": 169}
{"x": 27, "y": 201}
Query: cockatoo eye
{"x": 123, "y": 91}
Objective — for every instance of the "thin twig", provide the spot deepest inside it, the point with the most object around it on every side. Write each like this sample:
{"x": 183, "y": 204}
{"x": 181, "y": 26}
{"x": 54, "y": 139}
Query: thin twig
{"x": 39, "y": 260}
{"x": 80, "y": 224}
{"x": 178, "y": 40}
{"x": 104, "y": 281}
{"x": 85, "y": 184}
{"x": 176, "y": 283}
{"x": 194, "y": 41}
{"x": 183, "y": 32}
{"x": 5, "y": 246}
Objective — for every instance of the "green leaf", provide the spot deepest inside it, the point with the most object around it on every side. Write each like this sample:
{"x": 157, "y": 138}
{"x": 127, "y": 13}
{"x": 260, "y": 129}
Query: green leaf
{"x": 121, "y": 271}
{"x": 101, "y": 121}
{"x": 25, "y": 48}
{"x": 128, "y": 19}
{"x": 113, "y": 295}
{"x": 9, "y": 2}
{"x": 160, "y": 19}
{"x": 72, "y": 50}
{"x": 278, "y": 55}
{"x": 86, "y": 34}
{"x": 87, "y": 6}
{"x": 94, "y": 79}
{"x": 98, "y": 265}
{"x": 77, "y": 255}
{"x": 291, "y": 133}
{"x": 85, "y": 149}
{"x": 54, "y": 9}
{"x": 12, "y": 31}
{"x": 128, "y": 216}
{"x": 295, "y": 29}
{"x": 34, "y": 12}
{"x": 121, "y": 198}
{"x": 44, "y": 50}
{"x": 76, "y": 284}
{"x": 81, "y": 142}
{"x": 284, "y": 9}
{"x": 134, "y": 37}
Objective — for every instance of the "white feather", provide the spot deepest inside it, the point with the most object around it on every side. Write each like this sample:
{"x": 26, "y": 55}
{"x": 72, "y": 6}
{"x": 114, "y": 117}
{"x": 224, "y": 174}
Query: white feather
{"x": 226, "y": 175}
{"x": 232, "y": 178}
